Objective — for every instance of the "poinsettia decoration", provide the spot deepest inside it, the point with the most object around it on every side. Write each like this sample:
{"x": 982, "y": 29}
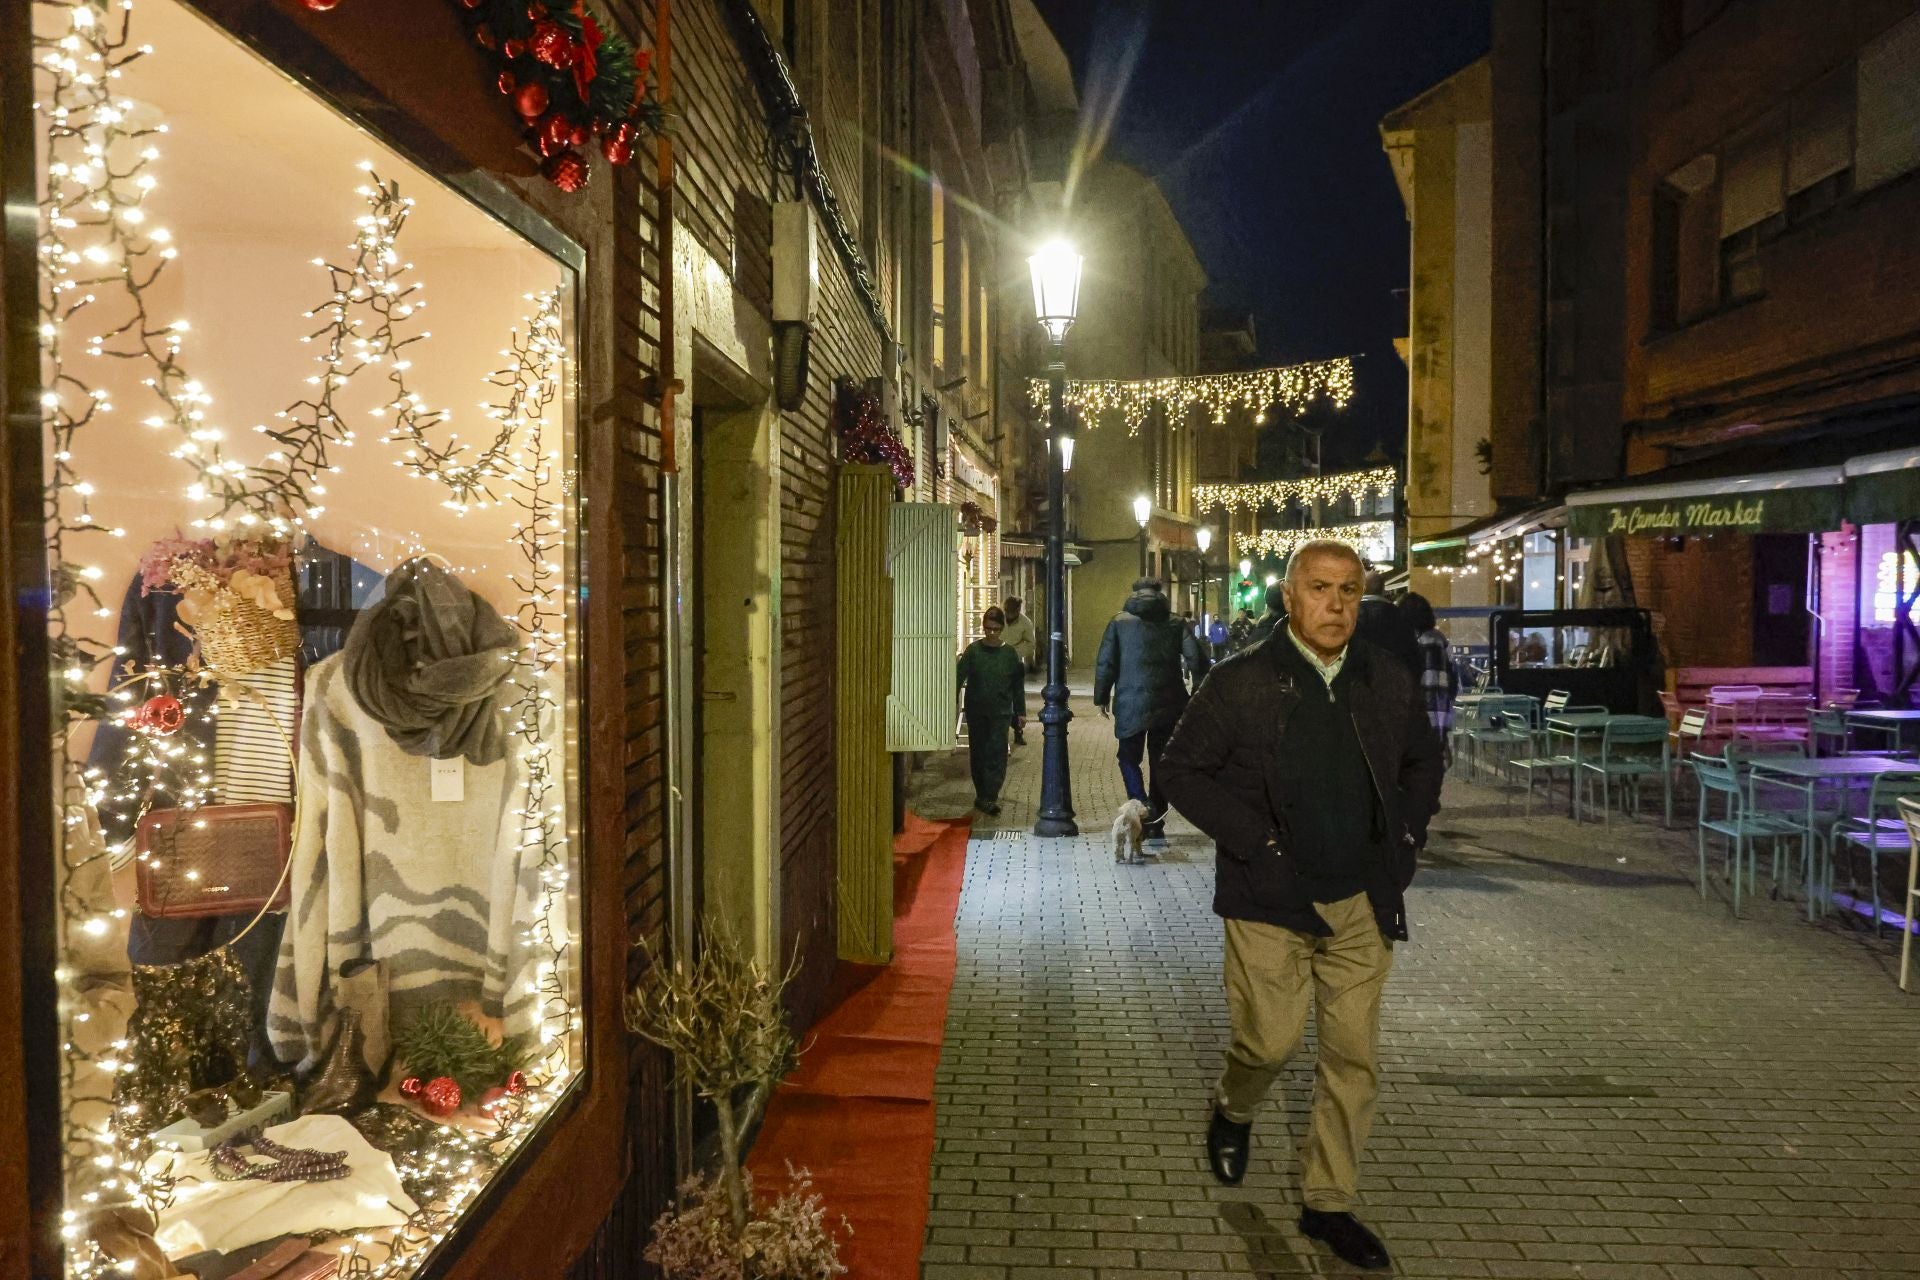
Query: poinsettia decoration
{"x": 866, "y": 435}
{"x": 570, "y": 77}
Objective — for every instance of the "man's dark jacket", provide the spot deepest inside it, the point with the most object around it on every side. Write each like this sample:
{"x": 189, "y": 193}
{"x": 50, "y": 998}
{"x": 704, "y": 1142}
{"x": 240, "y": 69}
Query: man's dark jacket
{"x": 1139, "y": 667}
{"x": 1227, "y": 768}
{"x": 1383, "y": 626}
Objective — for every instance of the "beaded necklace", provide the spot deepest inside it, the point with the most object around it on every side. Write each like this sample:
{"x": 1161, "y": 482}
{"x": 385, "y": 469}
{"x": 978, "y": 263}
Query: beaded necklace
{"x": 290, "y": 1164}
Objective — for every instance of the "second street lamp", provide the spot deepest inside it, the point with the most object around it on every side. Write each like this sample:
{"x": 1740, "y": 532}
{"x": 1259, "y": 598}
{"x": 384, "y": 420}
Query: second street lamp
{"x": 1143, "y": 512}
{"x": 1204, "y": 537}
{"x": 1056, "y": 300}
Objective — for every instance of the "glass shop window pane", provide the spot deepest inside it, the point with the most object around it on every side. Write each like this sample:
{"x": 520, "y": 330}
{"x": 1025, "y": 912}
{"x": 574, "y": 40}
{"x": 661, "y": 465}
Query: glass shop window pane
{"x": 310, "y": 457}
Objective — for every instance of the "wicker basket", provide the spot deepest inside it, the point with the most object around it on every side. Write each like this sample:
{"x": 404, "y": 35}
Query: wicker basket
{"x": 236, "y": 636}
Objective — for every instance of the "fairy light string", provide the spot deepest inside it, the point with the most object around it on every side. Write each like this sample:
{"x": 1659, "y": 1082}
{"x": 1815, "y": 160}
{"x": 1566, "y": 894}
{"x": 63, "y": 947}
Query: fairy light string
{"x": 100, "y": 256}
{"x": 1373, "y": 539}
{"x": 1256, "y": 391}
{"x": 1277, "y": 495}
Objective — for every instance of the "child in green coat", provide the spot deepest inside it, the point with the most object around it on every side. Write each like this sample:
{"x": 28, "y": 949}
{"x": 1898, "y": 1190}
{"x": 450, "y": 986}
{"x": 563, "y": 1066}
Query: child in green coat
{"x": 993, "y": 681}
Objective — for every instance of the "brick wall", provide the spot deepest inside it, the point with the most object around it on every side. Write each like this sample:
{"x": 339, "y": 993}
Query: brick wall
{"x": 1701, "y": 597}
{"x": 1839, "y": 615}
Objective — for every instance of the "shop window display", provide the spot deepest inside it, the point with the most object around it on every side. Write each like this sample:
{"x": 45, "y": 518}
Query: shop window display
{"x": 310, "y": 523}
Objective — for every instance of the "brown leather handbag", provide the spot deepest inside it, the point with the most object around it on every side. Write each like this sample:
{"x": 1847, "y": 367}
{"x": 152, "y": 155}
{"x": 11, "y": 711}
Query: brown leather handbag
{"x": 217, "y": 860}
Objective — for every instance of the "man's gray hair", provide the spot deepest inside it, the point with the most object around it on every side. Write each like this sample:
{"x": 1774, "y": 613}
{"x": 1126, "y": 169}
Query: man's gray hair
{"x": 1322, "y": 547}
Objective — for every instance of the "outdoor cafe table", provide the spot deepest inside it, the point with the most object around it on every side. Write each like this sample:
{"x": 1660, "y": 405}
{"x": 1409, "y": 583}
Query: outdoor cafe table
{"x": 1576, "y": 725}
{"x": 1894, "y": 724}
{"x": 1793, "y": 773}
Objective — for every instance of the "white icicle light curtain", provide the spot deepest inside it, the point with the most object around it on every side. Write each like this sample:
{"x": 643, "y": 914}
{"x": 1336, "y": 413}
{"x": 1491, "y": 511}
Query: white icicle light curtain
{"x": 1372, "y": 539}
{"x": 1277, "y": 494}
{"x": 1293, "y": 386}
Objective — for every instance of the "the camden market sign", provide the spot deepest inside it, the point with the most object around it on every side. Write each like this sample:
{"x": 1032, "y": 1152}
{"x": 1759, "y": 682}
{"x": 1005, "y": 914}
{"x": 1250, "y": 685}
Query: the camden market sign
{"x": 1805, "y": 510}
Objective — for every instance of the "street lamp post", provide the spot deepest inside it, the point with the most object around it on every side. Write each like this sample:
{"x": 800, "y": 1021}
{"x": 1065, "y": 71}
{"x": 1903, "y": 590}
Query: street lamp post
{"x": 1143, "y": 513}
{"x": 1056, "y": 299}
{"x": 1204, "y": 537}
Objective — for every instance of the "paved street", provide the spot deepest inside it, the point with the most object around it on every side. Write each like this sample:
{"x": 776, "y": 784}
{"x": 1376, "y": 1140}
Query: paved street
{"x": 1588, "y": 1071}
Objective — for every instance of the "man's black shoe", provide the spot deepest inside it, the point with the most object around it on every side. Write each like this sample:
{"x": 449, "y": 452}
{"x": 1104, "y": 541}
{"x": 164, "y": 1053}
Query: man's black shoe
{"x": 1343, "y": 1233}
{"x": 1228, "y": 1145}
{"x": 1153, "y": 831}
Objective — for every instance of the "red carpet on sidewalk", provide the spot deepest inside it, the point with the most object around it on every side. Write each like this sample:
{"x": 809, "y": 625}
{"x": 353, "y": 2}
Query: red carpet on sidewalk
{"x": 858, "y": 1112}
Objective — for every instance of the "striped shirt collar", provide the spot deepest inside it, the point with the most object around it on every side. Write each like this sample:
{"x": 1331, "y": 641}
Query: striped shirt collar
{"x": 1329, "y": 671}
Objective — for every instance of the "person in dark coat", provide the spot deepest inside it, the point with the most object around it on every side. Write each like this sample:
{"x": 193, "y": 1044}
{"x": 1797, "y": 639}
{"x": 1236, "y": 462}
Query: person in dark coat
{"x": 1137, "y": 680}
{"x": 1276, "y": 613}
{"x": 993, "y": 682}
{"x": 1310, "y": 761}
{"x": 1385, "y": 627}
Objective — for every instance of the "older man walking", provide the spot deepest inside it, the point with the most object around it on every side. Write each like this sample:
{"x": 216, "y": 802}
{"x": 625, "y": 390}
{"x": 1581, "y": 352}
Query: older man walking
{"x": 1309, "y": 761}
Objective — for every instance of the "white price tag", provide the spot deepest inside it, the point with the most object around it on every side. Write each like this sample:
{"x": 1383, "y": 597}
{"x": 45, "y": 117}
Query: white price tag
{"x": 449, "y": 779}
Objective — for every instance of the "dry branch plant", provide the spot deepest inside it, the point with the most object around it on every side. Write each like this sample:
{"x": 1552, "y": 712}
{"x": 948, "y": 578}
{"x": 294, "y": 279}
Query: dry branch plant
{"x": 722, "y": 1019}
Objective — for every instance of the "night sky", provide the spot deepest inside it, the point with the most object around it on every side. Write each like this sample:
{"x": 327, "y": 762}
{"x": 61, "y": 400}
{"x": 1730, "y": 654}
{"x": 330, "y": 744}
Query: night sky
{"x": 1260, "y": 120}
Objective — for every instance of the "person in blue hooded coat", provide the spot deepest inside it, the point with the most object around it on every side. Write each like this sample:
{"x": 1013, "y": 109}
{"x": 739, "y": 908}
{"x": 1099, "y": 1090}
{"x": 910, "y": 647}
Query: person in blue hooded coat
{"x": 1138, "y": 680}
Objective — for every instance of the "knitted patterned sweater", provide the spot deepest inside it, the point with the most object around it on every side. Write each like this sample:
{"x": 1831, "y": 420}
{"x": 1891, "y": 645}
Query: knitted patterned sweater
{"x": 381, "y": 870}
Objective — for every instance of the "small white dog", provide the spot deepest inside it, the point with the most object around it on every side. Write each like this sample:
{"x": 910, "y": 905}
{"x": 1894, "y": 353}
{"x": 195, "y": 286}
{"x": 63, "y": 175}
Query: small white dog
{"x": 1127, "y": 826}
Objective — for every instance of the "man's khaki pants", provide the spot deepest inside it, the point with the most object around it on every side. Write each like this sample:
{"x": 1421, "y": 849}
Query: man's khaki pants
{"x": 1272, "y": 975}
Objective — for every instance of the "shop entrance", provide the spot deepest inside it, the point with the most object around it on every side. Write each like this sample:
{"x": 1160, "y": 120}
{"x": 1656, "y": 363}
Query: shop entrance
{"x": 729, "y": 649}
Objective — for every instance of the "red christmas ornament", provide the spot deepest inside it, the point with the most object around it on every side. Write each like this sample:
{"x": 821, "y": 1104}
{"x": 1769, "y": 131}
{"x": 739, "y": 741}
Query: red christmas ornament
{"x": 440, "y": 1096}
{"x": 556, "y": 134}
{"x": 410, "y": 1087}
{"x": 616, "y": 149}
{"x": 472, "y": 4}
{"x": 579, "y": 135}
{"x": 530, "y": 100}
{"x": 551, "y": 45}
{"x": 536, "y": 11}
{"x": 484, "y": 37}
{"x": 513, "y": 49}
{"x": 321, "y": 6}
{"x": 567, "y": 171}
{"x": 516, "y": 1081}
{"x": 161, "y": 715}
{"x": 505, "y": 82}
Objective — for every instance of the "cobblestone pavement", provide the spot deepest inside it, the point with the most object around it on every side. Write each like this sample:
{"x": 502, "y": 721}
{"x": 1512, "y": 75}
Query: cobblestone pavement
{"x": 1589, "y": 1071}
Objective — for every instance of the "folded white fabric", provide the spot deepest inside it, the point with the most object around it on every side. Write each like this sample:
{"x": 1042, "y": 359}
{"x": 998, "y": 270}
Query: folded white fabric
{"x": 210, "y": 1214}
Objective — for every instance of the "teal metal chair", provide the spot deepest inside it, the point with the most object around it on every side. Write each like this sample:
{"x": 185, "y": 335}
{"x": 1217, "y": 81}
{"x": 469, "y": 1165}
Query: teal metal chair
{"x": 1545, "y": 760}
{"x": 1783, "y": 804}
{"x": 1910, "y": 814}
{"x": 1881, "y": 830}
{"x": 1737, "y": 822}
{"x": 1827, "y": 730}
{"x": 1631, "y": 748}
{"x": 1510, "y": 721}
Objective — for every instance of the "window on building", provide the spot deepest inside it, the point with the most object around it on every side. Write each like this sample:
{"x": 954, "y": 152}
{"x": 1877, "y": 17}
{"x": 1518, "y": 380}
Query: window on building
{"x": 1686, "y": 273}
{"x": 1820, "y": 146}
{"x": 1887, "y": 89}
{"x": 961, "y": 355}
{"x": 982, "y": 353}
{"x": 1752, "y": 205}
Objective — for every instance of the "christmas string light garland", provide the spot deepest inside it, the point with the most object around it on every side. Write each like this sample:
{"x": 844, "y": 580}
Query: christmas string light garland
{"x": 1349, "y": 486}
{"x": 1291, "y": 386}
{"x": 95, "y": 248}
{"x": 1373, "y": 539}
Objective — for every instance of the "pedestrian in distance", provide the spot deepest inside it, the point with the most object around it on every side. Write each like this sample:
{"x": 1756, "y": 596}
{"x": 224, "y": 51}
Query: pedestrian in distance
{"x": 1239, "y": 631}
{"x": 993, "y": 685}
{"x": 1311, "y": 763}
{"x": 1276, "y": 613}
{"x": 1438, "y": 683}
{"x": 1383, "y": 626}
{"x": 1196, "y": 657}
{"x": 1137, "y": 680}
{"x": 1019, "y": 637}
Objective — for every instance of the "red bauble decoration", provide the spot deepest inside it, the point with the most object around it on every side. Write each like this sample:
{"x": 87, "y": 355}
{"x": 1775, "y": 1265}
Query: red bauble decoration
{"x": 161, "y": 715}
{"x": 516, "y": 1081}
{"x": 616, "y": 149}
{"x": 530, "y": 100}
{"x": 551, "y": 45}
{"x": 505, "y": 82}
{"x": 472, "y": 4}
{"x": 579, "y": 135}
{"x": 483, "y": 34}
{"x": 321, "y": 6}
{"x": 440, "y": 1096}
{"x": 410, "y": 1087}
{"x": 513, "y": 49}
{"x": 567, "y": 171}
{"x": 536, "y": 11}
{"x": 556, "y": 134}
